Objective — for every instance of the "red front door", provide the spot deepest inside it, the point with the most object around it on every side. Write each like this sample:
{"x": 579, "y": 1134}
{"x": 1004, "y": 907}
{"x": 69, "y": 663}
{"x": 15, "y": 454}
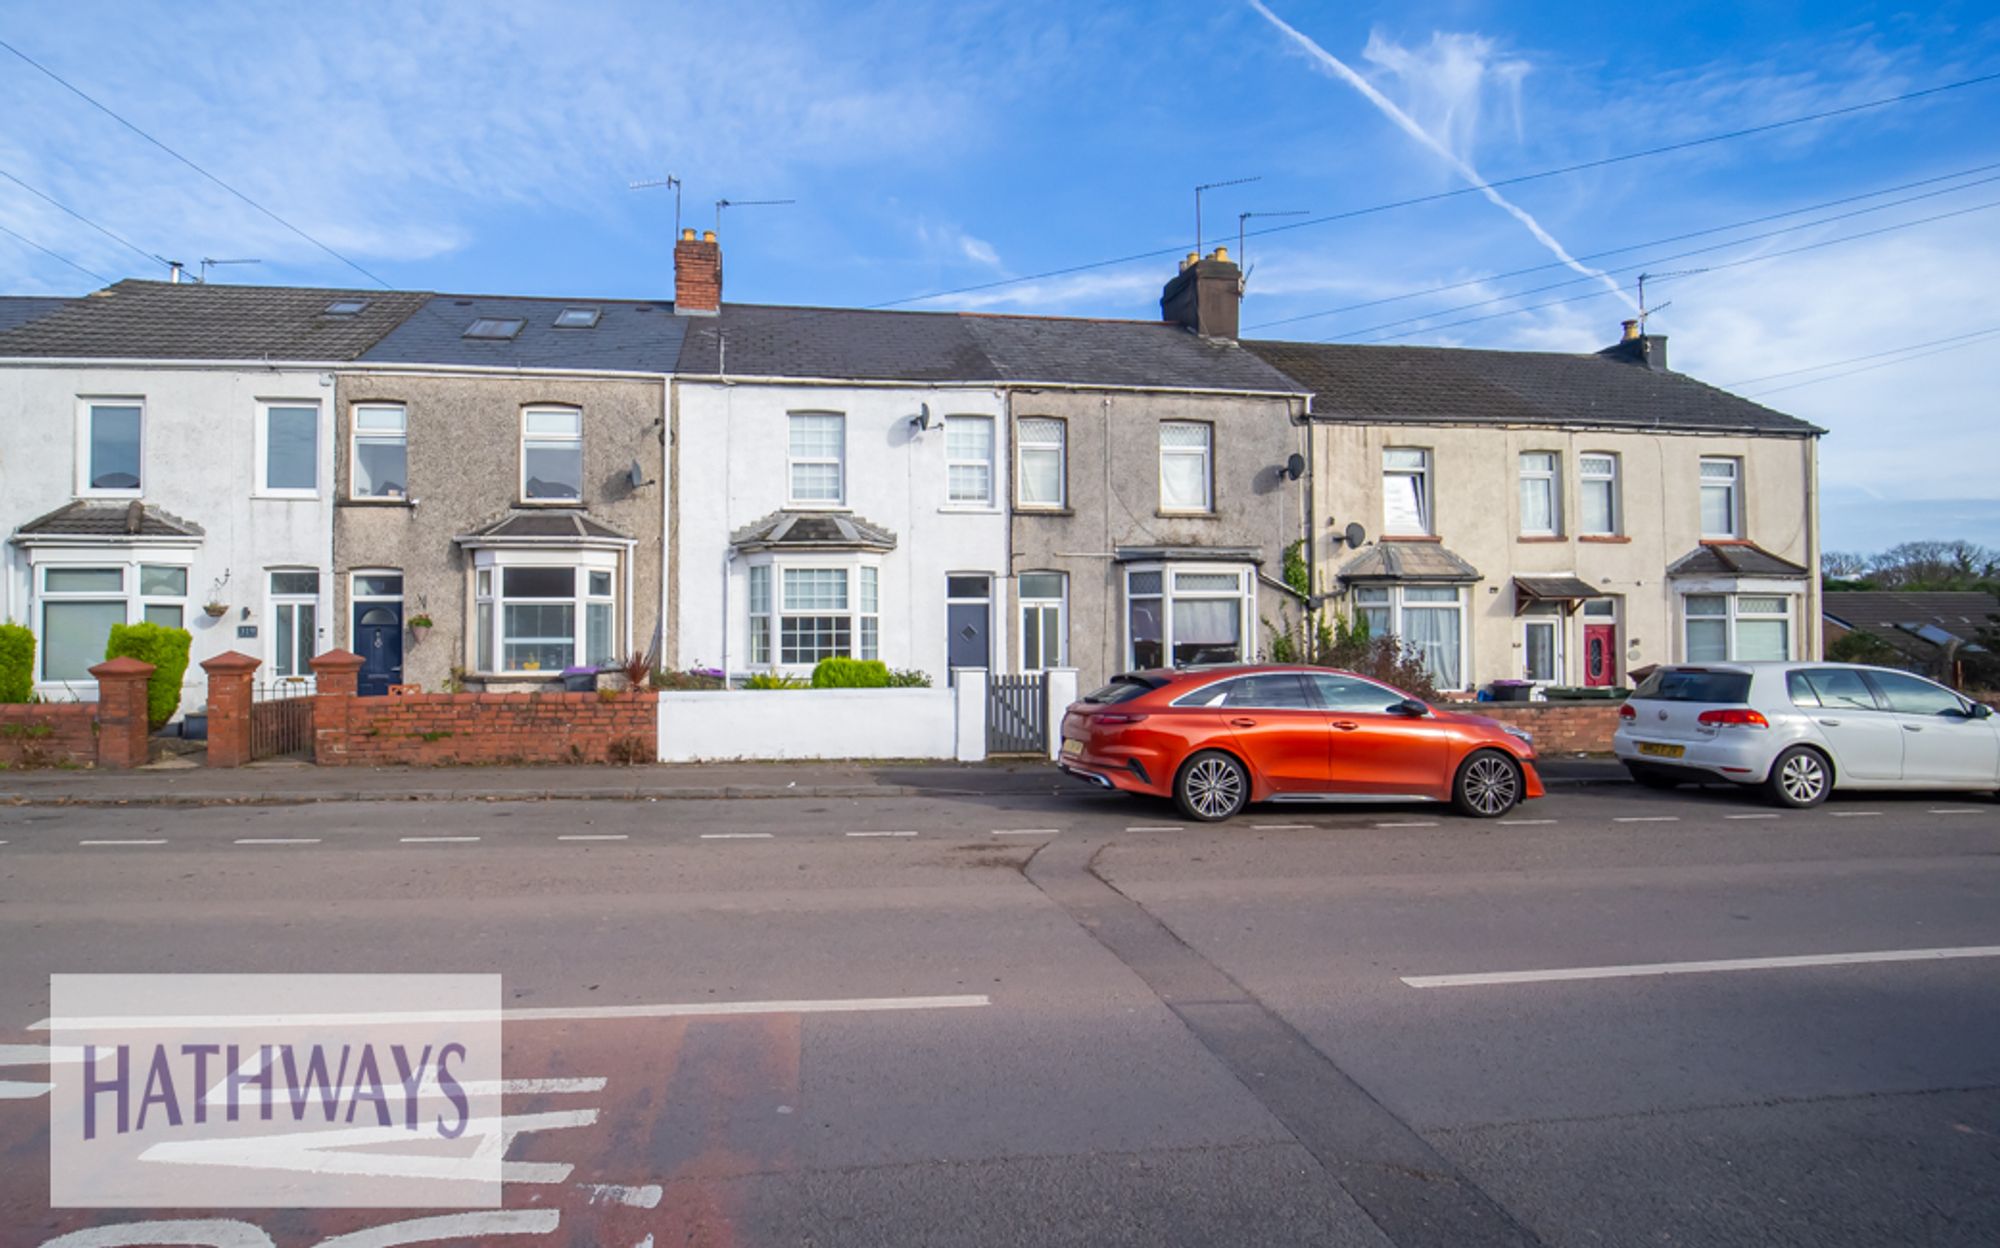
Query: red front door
{"x": 1600, "y": 655}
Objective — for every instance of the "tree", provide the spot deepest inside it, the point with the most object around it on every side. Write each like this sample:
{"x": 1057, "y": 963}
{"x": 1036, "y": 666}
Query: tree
{"x": 1934, "y": 565}
{"x": 1843, "y": 565}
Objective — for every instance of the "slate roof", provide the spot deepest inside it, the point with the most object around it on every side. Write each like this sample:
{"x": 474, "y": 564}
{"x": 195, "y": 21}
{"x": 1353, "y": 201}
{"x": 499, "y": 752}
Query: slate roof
{"x": 20, "y": 309}
{"x": 1556, "y": 588}
{"x": 1409, "y": 561}
{"x": 812, "y": 530}
{"x": 759, "y": 340}
{"x": 1733, "y": 559}
{"x": 1457, "y": 385}
{"x": 544, "y": 526}
{"x": 108, "y": 520}
{"x": 630, "y": 335}
{"x": 194, "y": 321}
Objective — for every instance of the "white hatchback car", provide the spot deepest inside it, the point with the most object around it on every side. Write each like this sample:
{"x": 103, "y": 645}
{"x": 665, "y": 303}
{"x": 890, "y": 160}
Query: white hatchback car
{"x": 1801, "y": 730}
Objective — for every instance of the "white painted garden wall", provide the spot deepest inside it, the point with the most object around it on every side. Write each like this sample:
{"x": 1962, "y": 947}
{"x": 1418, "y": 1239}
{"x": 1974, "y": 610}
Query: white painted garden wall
{"x": 723, "y": 724}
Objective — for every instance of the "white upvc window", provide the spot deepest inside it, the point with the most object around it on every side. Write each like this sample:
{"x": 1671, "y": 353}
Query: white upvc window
{"x": 816, "y": 455}
{"x": 536, "y": 613}
{"x": 760, "y": 614}
{"x": 287, "y": 444}
{"x": 1737, "y": 627}
{"x": 1541, "y": 495}
{"x": 1597, "y": 494}
{"x": 110, "y": 447}
{"x": 294, "y": 623}
{"x": 968, "y": 460}
{"x": 551, "y": 454}
{"x": 1040, "y": 451}
{"x": 379, "y": 466}
{"x": 1722, "y": 498}
{"x": 1429, "y": 618}
{"x": 1542, "y": 644}
{"x": 1044, "y": 598}
{"x": 803, "y": 612}
{"x": 1186, "y": 469}
{"x": 1406, "y": 492}
{"x": 1179, "y": 615}
{"x": 77, "y": 604}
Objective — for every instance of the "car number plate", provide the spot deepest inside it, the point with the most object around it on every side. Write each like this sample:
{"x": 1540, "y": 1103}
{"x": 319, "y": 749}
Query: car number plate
{"x": 1072, "y": 746}
{"x": 1658, "y": 750}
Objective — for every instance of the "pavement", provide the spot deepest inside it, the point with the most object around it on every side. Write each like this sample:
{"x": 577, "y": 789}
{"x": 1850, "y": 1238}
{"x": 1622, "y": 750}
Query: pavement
{"x": 291, "y": 781}
{"x": 1616, "y": 1017}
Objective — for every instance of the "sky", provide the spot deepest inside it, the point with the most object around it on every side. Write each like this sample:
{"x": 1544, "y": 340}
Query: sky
{"x": 963, "y": 155}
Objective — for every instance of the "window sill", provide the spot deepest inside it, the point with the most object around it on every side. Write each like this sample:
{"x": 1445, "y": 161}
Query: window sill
{"x": 110, "y": 493}
{"x": 1540, "y": 538}
{"x": 1163, "y": 514}
{"x": 404, "y": 503}
{"x": 1613, "y": 539}
{"x": 1408, "y": 537}
{"x": 969, "y": 509}
{"x": 284, "y": 496}
{"x": 1043, "y": 511}
{"x": 842, "y": 508}
{"x": 574, "y": 504}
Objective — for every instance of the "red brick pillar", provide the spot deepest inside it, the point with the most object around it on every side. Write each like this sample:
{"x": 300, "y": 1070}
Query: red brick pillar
{"x": 229, "y": 676}
{"x": 336, "y": 673}
{"x": 122, "y": 722}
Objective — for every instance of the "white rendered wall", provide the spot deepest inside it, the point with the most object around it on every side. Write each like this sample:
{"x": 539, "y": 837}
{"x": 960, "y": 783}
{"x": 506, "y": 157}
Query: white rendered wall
{"x": 717, "y": 725}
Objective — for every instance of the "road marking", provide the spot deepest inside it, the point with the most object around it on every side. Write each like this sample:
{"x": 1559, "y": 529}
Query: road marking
{"x": 1284, "y": 827}
{"x": 594, "y": 836}
{"x": 1524, "y": 823}
{"x": 1647, "y": 819}
{"x": 534, "y": 1087}
{"x": 1853, "y": 814}
{"x": 1155, "y": 827}
{"x": 437, "y": 840}
{"x": 647, "y": 1197}
{"x": 736, "y": 836}
{"x": 1410, "y": 823}
{"x": 1766, "y": 815}
{"x": 1027, "y": 831}
{"x": 881, "y": 834}
{"x": 16, "y": 1090}
{"x": 1941, "y": 810}
{"x": 277, "y": 840}
{"x": 39, "y": 1055}
{"x": 442, "y": 1227}
{"x": 554, "y": 1013}
{"x": 160, "y": 841}
{"x": 1698, "y": 968}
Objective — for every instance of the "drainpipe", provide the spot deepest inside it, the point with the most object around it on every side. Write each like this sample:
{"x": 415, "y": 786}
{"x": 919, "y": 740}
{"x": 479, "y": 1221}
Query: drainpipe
{"x": 728, "y": 560}
{"x": 669, "y": 401}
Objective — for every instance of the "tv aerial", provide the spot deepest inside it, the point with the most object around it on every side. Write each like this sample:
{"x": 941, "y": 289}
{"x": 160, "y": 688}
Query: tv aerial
{"x": 669, "y": 180}
{"x": 720, "y": 204}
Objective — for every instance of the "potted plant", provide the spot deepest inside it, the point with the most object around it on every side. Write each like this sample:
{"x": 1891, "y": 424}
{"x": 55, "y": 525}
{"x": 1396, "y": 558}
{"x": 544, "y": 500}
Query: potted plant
{"x": 420, "y": 624}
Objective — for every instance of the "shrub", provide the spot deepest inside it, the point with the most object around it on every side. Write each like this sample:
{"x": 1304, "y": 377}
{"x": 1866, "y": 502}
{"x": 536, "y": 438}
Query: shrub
{"x": 909, "y": 678}
{"x": 766, "y": 680}
{"x": 17, "y": 663}
{"x": 1343, "y": 642}
{"x": 850, "y": 674}
{"x": 694, "y": 678}
{"x": 167, "y": 650}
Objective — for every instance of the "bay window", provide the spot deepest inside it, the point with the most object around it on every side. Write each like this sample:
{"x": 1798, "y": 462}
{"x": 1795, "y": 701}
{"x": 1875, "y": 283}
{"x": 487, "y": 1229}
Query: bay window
{"x": 802, "y": 612}
{"x": 1180, "y": 615}
{"x": 538, "y": 613}
{"x": 1428, "y": 618}
{"x": 552, "y": 454}
{"x": 77, "y": 604}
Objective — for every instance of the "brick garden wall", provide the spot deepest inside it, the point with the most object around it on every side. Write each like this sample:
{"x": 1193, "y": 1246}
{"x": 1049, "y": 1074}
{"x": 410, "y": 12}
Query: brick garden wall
{"x": 447, "y": 729}
{"x": 48, "y": 734}
{"x": 1559, "y": 727}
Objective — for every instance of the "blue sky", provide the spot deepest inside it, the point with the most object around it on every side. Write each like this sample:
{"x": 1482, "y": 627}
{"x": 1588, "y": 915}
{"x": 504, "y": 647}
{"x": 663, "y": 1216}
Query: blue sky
{"x": 487, "y": 147}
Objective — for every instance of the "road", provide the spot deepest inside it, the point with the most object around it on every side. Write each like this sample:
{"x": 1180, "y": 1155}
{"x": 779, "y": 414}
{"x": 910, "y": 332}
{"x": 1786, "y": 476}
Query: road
{"x": 1078, "y": 1020}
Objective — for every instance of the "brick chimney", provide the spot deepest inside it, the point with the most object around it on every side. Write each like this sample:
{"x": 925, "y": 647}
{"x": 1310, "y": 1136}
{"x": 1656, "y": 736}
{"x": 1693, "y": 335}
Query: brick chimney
{"x": 697, "y": 274}
{"x": 1206, "y": 296}
{"x": 1639, "y": 347}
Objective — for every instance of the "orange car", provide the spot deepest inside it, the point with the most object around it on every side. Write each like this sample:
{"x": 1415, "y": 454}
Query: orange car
{"x": 1218, "y": 739}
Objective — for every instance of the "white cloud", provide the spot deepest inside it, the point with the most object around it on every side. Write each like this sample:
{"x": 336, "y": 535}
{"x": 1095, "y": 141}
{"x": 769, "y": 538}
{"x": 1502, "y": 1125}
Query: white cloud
{"x": 1133, "y": 288}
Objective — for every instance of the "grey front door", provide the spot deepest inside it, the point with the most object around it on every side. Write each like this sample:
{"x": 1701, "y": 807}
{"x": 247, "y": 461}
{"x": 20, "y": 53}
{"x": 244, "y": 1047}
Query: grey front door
{"x": 968, "y": 620}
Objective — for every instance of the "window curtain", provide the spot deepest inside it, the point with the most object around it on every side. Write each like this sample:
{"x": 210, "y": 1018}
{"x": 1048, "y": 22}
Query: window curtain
{"x": 1434, "y": 632}
{"x": 1208, "y": 630}
{"x": 1147, "y": 643}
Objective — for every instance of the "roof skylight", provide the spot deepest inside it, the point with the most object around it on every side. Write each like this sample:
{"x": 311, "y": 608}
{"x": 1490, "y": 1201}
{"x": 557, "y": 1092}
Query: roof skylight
{"x": 346, "y": 307}
{"x": 497, "y": 327}
{"x": 577, "y": 318}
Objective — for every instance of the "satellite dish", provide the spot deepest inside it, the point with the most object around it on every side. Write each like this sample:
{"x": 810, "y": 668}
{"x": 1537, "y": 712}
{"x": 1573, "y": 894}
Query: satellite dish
{"x": 922, "y": 421}
{"x": 636, "y": 475}
{"x": 1355, "y": 535}
{"x": 1295, "y": 466}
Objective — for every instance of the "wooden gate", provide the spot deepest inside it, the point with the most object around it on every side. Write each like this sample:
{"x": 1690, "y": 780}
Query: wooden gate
{"x": 1016, "y": 715}
{"x": 281, "y": 720}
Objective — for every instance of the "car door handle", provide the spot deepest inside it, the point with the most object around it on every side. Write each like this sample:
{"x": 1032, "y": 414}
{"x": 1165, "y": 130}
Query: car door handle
{"x": 1831, "y": 723}
{"x": 1345, "y": 725}
{"x": 1911, "y": 728}
{"x": 1242, "y": 723}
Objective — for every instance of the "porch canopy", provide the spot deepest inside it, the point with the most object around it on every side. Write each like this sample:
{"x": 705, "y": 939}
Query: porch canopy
{"x": 1565, "y": 591}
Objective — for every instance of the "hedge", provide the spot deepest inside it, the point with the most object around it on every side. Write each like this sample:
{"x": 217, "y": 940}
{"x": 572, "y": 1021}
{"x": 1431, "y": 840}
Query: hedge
{"x": 167, "y": 650}
{"x": 17, "y": 663}
{"x": 837, "y": 673}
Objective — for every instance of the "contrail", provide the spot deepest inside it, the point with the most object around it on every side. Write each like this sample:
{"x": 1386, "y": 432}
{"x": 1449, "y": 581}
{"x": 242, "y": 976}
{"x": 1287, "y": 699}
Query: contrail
{"x": 1339, "y": 69}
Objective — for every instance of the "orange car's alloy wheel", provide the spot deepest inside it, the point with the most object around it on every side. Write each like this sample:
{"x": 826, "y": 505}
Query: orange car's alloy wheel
{"x": 1489, "y": 785}
{"x": 1212, "y": 787}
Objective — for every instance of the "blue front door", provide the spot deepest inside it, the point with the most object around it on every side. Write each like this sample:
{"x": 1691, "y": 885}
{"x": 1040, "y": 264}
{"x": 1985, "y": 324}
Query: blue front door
{"x": 378, "y": 638}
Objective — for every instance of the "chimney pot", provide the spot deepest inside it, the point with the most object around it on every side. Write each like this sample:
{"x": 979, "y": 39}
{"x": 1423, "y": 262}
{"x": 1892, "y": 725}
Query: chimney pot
{"x": 1221, "y": 253}
{"x": 688, "y": 234}
{"x": 1631, "y": 329}
{"x": 708, "y": 236}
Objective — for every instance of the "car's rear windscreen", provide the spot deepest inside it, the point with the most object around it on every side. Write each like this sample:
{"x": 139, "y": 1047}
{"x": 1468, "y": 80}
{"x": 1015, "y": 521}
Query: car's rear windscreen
{"x": 1122, "y": 689}
{"x": 1682, "y": 684}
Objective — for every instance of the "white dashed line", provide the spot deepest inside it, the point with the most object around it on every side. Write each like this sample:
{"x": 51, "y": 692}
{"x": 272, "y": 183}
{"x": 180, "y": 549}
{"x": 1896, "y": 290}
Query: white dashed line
{"x": 160, "y": 841}
{"x": 1154, "y": 827}
{"x": 881, "y": 834}
{"x": 1766, "y": 815}
{"x": 1524, "y": 823}
{"x": 1854, "y": 814}
{"x": 736, "y": 836}
{"x": 1647, "y": 819}
{"x": 594, "y": 836}
{"x": 1410, "y": 823}
{"x": 437, "y": 840}
{"x": 1697, "y": 968}
{"x": 277, "y": 840}
{"x": 1027, "y": 831}
{"x": 1942, "y": 810}
{"x": 1283, "y": 827}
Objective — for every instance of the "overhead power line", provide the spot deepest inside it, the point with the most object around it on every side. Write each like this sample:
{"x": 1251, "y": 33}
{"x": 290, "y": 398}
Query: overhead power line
{"x": 29, "y": 242}
{"x": 1915, "y": 351}
{"x": 113, "y": 235}
{"x": 1473, "y": 189}
{"x": 87, "y": 98}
